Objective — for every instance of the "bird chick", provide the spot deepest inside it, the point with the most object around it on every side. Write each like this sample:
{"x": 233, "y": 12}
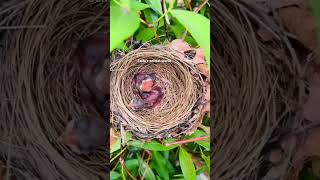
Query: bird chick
{"x": 144, "y": 82}
{"x": 153, "y": 98}
{"x": 147, "y": 83}
{"x": 85, "y": 135}
{"x": 92, "y": 57}
{"x": 137, "y": 103}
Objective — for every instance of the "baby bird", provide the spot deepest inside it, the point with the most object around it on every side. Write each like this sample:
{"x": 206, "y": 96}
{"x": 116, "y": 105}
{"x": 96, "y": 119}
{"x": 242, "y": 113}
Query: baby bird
{"x": 85, "y": 134}
{"x": 147, "y": 83}
{"x": 137, "y": 103}
{"x": 92, "y": 57}
{"x": 144, "y": 82}
{"x": 153, "y": 98}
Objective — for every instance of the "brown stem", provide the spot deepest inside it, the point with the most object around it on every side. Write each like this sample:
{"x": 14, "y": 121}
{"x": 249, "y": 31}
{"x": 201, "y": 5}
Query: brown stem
{"x": 188, "y": 4}
{"x": 147, "y": 164}
{"x": 186, "y": 141}
{"x": 125, "y": 168}
{"x": 146, "y": 23}
{"x": 197, "y": 9}
{"x": 165, "y": 22}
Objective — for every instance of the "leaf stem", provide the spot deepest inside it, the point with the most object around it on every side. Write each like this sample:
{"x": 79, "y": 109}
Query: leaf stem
{"x": 196, "y": 10}
{"x": 118, "y": 154}
{"x": 125, "y": 168}
{"x": 186, "y": 141}
{"x": 165, "y": 21}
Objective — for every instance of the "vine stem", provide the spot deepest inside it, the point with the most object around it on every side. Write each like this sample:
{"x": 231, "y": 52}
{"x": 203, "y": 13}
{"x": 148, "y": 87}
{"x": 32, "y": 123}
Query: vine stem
{"x": 196, "y": 10}
{"x": 165, "y": 22}
{"x": 186, "y": 141}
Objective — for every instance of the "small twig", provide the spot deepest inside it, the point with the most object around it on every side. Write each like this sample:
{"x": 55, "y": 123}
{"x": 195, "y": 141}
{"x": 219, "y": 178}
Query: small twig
{"x": 187, "y": 3}
{"x": 118, "y": 154}
{"x": 165, "y": 22}
{"x": 146, "y": 23}
{"x": 186, "y": 141}
{"x": 125, "y": 168}
{"x": 196, "y": 10}
{"x": 147, "y": 163}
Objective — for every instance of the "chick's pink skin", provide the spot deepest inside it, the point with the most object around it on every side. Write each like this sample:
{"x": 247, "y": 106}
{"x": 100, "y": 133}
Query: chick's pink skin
{"x": 146, "y": 85}
{"x": 84, "y": 135}
{"x": 137, "y": 103}
{"x": 91, "y": 55}
{"x": 154, "y": 97}
{"x": 144, "y": 82}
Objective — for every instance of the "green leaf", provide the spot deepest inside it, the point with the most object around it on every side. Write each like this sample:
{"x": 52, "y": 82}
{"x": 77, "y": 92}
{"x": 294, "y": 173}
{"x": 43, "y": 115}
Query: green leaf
{"x": 133, "y": 166}
{"x": 206, "y": 160}
{"x": 160, "y": 165}
{"x": 152, "y": 145}
{"x": 123, "y": 23}
{"x": 155, "y": 5}
{"x": 125, "y": 3}
{"x": 186, "y": 164}
{"x": 138, "y": 6}
{"x": 114, "y": 175}
{"x": 204, "y": 143}
{"x": 178, "y": 30}
{"x": 150, "y": 16}
{"x": 191, "y": 41}
{"x": 198, "y": 26}
{"x": 145, "y": 34}
{"x": 171, "y": 4}
{"x": 145, "y": 170}
{"x": 116, "y": 146}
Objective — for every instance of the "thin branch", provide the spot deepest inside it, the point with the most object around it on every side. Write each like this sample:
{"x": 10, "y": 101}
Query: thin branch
{"x": 146, "y": 23}
{"x": 197, "y": 9}
{"x": 187, "y": 3}
{"x": 147, "y": 164}
{"x": 165, "y": 22}
{"x": 187, "y": 141}
{"x": 125, "y": 168}
{"x": 118, "y": 154}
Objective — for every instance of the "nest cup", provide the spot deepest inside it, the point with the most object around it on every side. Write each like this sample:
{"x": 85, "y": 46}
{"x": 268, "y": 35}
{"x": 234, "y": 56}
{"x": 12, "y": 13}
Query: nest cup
{"x": 256, "y": 95}
{"x": 40, "y": 87}
{"x": 178, "y": 112}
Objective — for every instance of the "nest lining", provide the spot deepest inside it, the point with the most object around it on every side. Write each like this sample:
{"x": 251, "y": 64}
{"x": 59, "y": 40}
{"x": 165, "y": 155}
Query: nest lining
{"x": 183, "y": 88}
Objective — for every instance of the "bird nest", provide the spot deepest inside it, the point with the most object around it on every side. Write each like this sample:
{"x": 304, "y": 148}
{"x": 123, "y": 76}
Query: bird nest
{"x": 182, "y": 85}
{"x": 257, "y": 90}
{"x": 40, "y": 87}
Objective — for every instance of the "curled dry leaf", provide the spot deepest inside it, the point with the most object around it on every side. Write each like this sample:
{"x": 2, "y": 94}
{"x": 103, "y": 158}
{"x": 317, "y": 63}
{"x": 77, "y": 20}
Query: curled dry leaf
{"x": 300, "y": 22}
{"x": 199, "y": 58}
{"x": 276, "y": 156}
{"x": 179, "y": 45}
{"x": 277, "y": 4}
{"x": 308, "y": 148}
{"x": 113, "y": 137}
